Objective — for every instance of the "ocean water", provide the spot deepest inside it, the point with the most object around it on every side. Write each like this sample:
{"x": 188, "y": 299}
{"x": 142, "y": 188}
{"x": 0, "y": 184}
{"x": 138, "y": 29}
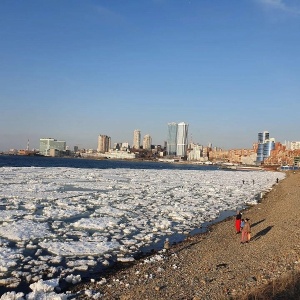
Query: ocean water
{"x": 40, "y": 161}
{"x": 67, "y": 217}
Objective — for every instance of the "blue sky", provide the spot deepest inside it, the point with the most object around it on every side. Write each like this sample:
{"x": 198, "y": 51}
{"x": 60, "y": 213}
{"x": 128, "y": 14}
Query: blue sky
{"x": 72, "y": 70}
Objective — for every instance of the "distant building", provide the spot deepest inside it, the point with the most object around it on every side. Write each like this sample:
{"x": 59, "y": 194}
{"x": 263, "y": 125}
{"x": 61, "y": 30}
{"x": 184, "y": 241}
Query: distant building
{"x": 264, "y": 146}
{"x": 136, "y": 139}
{"x": 294, "y": 145}
{"x": 269, "y": 145}
{"x": 195, "y": 153}
{"x": 13, "y": 151}
{"x": 172, "y": 138}
{"x": 46, "y": 144}
{"x": 103, "y": 143}
{"x": 125, "y": 146}
{"x": 262, "y": 137}
{"x": 182, "y": 139}
{"x": 147, "y": 142}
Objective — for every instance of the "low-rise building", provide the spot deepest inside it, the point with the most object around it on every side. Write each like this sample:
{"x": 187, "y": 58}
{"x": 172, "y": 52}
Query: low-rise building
{"x": 46, "y": 144}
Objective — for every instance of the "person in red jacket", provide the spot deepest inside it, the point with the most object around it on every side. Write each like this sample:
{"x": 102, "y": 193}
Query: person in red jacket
{"x": 238, "y": 219}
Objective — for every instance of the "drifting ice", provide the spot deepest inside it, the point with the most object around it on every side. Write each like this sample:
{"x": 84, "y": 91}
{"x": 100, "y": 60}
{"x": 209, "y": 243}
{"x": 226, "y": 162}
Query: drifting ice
{"x": 70, "y": 214}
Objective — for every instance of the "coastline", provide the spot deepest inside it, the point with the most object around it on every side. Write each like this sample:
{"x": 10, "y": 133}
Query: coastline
{"x": 214, "y": 265}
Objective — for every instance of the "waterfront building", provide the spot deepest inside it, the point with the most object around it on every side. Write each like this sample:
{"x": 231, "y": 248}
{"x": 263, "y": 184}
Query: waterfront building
{"x": 182, "y": 139}
{"x": 111, "y": 154}
{"x": 263, "y": 136}
{"x": 195, "y": 153}
{"x": 103, "y": 143}
{"x": 268, "y": 146}
{"x": 46, "y": 144}
{"x": 294, "y": 145}
{"x": 117, "y": 146}
{"x": 172, "y": 138}
{"x": 264, "y": 146}
{"x": 136, "y": 139}
{"x": 147, "y": 142}
{"x": 125, "y": 146}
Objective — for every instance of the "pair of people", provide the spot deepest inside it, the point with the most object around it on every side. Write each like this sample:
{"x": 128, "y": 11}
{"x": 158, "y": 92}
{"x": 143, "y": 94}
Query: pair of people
{"x": 244, "y": 226}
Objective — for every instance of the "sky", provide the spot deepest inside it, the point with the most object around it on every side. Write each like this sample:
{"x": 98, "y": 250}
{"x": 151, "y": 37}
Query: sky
{"x": 75, "y": 69}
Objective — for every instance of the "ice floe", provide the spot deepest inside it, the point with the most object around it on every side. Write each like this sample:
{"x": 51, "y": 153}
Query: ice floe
{"x": 24, "y": 230}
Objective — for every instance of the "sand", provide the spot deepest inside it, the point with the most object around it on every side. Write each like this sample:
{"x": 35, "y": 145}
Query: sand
{"x": 215, "y": 265}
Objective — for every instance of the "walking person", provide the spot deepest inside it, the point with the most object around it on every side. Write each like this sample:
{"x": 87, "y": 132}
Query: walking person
{"x": 167, "y": 246}
{"x": 246, "y": 232}
{"x": 242, "y": 224}
{"x": 238, "y": 219}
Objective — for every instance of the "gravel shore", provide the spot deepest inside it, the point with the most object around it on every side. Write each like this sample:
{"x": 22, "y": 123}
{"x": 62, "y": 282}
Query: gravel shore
{"x": 215, "y": 265}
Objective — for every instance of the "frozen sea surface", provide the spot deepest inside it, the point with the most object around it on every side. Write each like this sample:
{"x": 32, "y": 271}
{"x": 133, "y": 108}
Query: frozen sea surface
{"x": 57, "y": 222}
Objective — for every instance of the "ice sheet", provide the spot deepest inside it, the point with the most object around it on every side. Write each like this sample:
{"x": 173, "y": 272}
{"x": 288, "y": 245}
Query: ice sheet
{"x": 54, "y": 219}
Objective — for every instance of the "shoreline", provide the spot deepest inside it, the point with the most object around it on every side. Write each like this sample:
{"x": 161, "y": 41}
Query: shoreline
{"x": 207, "y": 265}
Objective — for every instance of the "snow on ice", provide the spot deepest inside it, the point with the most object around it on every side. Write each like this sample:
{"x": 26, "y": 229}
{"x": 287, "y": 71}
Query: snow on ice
{"x": 55, "y": 221}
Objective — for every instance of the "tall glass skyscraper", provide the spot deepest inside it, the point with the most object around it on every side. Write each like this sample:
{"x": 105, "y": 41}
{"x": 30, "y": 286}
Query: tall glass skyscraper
{"x": 268, "y": 146}
{"x": 182, "y": 139}
{"x": 265, "y": 145}
{"x": 172, "y": 138}
{"x": 263, "y": 136}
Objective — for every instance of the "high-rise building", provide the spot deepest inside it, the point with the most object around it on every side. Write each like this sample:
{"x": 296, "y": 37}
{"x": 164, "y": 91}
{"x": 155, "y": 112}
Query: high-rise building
{"x": 172, "y": 138}
{"x": 182, "y": 139}
{"x": 263, "y": 136}
{"x": 147, "y": 142}
{"x": 103, "y": 143}
{"x": 269, "y": 145}
{"x": 265, "y": 145}
{"x": 46, "y": 144}
{"x": 136, "y": 139}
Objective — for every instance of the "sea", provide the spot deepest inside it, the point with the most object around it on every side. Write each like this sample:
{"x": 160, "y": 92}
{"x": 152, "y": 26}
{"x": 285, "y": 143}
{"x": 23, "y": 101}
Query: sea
{"x": 41, "y": 161}
{"x": 58, "y": 189}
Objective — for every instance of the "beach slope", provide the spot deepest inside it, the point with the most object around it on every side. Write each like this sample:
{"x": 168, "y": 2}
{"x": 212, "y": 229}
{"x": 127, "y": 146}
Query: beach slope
{"x": 215, "y": 265}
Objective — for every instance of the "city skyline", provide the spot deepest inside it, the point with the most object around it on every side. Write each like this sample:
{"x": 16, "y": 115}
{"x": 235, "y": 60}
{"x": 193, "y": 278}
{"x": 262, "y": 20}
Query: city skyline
{"x": 170, "y": 141}
{"x": 74, "y": 71}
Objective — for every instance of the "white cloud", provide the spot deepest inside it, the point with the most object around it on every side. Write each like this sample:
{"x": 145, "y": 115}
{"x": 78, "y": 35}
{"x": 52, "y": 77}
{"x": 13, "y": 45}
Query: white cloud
{"x": 281, "y": 5}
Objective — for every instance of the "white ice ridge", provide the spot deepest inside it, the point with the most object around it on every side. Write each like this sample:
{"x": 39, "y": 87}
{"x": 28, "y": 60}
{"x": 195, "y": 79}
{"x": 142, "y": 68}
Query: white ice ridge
{"x": 88, "y": 216}
{"x": 96, "y": 223}
{"x": 79, "y": 248}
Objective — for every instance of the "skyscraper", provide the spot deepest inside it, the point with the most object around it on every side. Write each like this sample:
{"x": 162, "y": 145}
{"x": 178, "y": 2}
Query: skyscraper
{"x": 182, "y": 139}
{"x": 147, "y": 142}
{"x": 136, "y": 139}
{"x": 263, "y": 136}
{"x": 103, "y": 143}
{"x": 268, "y": 146}
{"x": 172, "y": 138}
{"x": 265, "y": 145}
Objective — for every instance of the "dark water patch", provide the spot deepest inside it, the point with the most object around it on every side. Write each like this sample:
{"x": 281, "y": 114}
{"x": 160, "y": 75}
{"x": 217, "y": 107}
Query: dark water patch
{"x": 37, "y": 161}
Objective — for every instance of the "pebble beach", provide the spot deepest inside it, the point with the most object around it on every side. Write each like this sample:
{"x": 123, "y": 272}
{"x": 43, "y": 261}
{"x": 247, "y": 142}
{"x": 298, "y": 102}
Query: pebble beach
{"x": 215, "y": 265}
